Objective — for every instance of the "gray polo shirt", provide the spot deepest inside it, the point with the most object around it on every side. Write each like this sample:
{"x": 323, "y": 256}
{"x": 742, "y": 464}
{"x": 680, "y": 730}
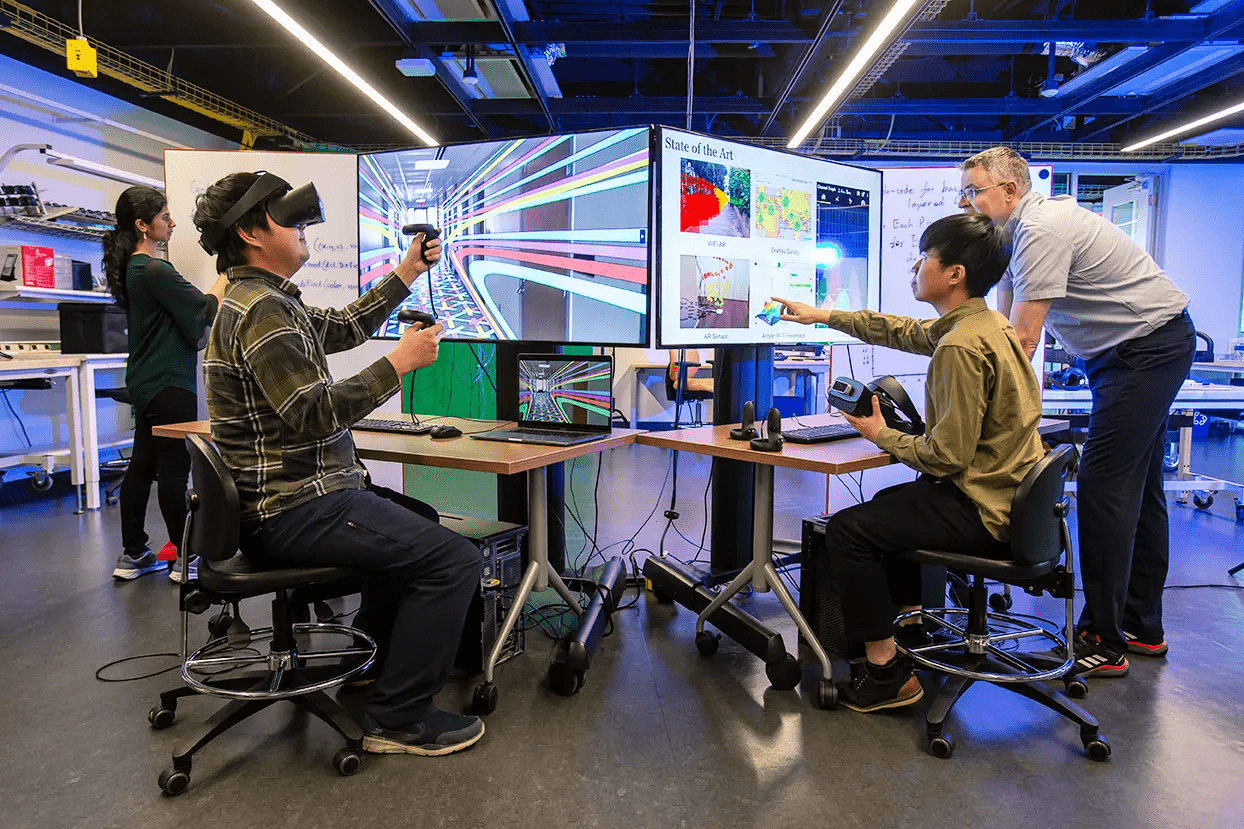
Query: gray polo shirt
{"x": 1103, "y": 288}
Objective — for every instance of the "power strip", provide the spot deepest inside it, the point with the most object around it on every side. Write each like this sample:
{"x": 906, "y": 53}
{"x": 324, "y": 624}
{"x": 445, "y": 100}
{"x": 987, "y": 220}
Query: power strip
{"x": 30, "y": 347}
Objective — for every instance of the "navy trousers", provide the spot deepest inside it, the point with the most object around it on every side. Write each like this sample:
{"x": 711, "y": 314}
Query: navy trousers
{"x": 1120, "y": 504}
{"x": 420, "y": 580}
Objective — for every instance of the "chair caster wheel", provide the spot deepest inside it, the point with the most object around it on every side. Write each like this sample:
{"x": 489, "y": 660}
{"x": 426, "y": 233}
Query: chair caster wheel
{"x": 826, "y": 695}
{"x": 706, "y": 643}
{"x": 565, "y": 680}
{"x": 1076, "y": 688}
{"x": 1097, "y": 747}
{"x": 161, "y": 717}
{"x": 347, "y": 761}
{"x": 786, "y": 674}
{"x": 941, "y": 745}
{"x": 1000, "y": 602}
{"x": 1203, "y": 503}
{"x": 174, "y": 781}
{"x": 484, "y": 700}
{"x": 111, "y": 500}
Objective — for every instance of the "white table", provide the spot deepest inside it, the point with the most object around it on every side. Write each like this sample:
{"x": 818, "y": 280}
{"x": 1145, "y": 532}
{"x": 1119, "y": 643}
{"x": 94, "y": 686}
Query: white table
{"x": 49, "y": 365}
{"x": 91, "y": 363}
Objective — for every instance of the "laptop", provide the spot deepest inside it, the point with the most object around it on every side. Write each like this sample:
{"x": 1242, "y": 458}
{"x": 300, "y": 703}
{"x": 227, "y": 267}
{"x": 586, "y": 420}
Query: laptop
{"x": 563, "y": 399}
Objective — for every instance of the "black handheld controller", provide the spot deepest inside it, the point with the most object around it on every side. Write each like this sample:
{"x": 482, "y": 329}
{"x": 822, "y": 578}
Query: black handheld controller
{"x": 411, "y": 315}
{"x": 429, "y": 232}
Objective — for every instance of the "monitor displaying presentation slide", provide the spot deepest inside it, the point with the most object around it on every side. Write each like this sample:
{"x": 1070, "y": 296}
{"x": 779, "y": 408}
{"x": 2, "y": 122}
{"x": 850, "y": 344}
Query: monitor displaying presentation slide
{"x": 545, "y": 239}
{"x": 738, "y": 224}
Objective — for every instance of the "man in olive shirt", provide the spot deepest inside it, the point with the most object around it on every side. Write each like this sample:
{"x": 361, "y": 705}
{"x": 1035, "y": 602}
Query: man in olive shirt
{"x": 1109, "y": 303}
{"x": 982, "y": 406}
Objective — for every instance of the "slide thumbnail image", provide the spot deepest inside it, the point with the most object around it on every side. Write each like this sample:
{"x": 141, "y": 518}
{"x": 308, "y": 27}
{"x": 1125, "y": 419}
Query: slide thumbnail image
{"x": 791, "y": 280}
{"x": 715, "y": 292}
{"x": 782, "y": 213}
{"x": 714, "y": 199}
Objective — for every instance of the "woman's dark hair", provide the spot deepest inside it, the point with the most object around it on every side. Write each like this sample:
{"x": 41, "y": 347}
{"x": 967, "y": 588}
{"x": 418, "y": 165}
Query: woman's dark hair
{"x": 137, "y": 203}
{"x": 215, "y": 202}
{"x": 973, "y": 241}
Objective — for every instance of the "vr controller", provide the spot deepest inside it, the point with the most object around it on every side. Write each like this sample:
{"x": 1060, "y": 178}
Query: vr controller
{"x": 411, "y": 315}
{"x": 429, "y": 232}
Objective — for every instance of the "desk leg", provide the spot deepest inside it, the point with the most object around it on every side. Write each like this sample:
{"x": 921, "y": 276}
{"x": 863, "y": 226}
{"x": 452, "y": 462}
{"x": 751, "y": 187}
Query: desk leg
{"x": 73, "y": 411}
{"x": 763, "y": 576}
{"x": 538, "y": 576}
{"x": 90, "y": 434}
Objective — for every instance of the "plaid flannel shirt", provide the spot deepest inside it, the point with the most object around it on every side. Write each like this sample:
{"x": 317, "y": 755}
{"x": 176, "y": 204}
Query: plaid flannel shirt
{"x": 279, "y": 419}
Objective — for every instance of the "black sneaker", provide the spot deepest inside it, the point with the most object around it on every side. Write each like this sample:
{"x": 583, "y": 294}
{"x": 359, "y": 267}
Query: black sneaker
{"x": 1095, "y": 659}
{"x": 1145, "y": 646}
{"x": 867, "y": 693}
{"x": 438, "y": 733}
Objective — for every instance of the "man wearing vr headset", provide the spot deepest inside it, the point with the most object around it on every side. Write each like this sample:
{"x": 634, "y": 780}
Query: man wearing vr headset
{"x": 982, "y": 406}
{"x": 282, "y": 424}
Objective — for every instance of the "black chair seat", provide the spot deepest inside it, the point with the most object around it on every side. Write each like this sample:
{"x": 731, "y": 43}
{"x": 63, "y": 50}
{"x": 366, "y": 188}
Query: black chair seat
{"x": 121, "y": 395}
{"x": 238, "y": 575}
{"x": 1011, "y": 572}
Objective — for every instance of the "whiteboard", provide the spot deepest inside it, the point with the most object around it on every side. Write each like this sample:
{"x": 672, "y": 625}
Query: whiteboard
{"x": 912, "y": 199}
{"x": 330, "y": 277}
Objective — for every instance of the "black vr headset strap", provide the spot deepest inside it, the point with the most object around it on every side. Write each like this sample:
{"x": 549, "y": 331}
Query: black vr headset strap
{"x": 267, "y": 185}
{"x": 892, "y": 396}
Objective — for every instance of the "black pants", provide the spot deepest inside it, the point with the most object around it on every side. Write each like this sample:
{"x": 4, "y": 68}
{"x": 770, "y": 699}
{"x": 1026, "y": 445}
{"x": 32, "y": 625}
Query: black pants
{"x": 1120, "y": 503}
{"x": 165, "y": 459}
{"x": 923, "y": 514}
{"x": 421, "y": 578}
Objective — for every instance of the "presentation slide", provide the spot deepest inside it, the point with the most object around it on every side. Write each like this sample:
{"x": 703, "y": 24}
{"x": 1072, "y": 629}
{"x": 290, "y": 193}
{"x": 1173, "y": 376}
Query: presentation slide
{"x": 545, "y": 239}
{"x": 738, "y": 224}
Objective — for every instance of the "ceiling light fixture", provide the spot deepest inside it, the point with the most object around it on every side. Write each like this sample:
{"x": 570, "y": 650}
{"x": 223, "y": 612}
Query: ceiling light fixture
{"x": 469, "y": 74}
{"x": 1189, "y": 127}
{"x": 323, "y": 53}
{"x": 876, "y": 41}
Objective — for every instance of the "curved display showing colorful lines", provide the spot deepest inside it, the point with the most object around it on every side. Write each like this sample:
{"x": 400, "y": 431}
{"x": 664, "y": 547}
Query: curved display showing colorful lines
{"x": 546, "y": 239}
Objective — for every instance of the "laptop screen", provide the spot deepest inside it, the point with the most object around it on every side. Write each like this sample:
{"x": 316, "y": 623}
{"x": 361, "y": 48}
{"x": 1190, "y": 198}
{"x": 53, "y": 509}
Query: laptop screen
{"x": 565, "y": 391}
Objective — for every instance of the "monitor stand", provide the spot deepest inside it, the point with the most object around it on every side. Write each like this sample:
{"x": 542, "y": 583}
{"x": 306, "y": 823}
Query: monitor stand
{"x": 740, "y": 373}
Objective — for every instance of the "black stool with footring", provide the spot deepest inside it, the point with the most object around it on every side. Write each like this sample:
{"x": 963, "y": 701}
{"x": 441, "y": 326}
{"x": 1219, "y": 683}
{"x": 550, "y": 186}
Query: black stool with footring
{"x": 303, "y": 659}
{"x": 971, "y": 644}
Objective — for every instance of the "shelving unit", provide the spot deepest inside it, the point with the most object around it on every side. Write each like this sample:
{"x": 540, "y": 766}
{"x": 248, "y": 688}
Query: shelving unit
{"x": 53, "y": 295}
{"x": 37, "y": 224}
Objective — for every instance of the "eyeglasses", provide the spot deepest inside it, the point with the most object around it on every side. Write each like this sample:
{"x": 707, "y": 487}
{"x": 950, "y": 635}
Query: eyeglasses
{"x": 970, "y": 193}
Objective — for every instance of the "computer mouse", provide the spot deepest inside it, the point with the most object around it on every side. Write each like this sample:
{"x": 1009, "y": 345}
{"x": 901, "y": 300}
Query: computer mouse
{"x": 444, "y": 430}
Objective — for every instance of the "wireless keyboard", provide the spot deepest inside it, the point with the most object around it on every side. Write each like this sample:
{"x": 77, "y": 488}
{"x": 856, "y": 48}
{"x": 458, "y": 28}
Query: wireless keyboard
{"x": 403, "y": 427}
{"x": 820, "y": 434}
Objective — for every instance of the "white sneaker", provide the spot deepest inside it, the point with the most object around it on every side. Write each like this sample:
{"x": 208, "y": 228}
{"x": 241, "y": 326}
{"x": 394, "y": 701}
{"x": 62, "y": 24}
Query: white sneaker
{"x": 174, "y": 570}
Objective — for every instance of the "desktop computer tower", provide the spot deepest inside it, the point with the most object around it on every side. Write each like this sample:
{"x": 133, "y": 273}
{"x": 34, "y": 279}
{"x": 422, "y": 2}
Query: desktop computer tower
{"x": 818, "y": 591}
{"x": 503, "y": 547}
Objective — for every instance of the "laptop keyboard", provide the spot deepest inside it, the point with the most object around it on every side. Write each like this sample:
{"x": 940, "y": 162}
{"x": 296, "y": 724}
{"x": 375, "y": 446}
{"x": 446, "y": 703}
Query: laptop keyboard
{"x": 403, "y": 427}
{"x": 820, "y": 434}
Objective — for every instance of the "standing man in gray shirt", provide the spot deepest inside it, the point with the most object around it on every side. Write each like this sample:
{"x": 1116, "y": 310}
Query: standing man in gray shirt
{"x": 1109, "y": 303}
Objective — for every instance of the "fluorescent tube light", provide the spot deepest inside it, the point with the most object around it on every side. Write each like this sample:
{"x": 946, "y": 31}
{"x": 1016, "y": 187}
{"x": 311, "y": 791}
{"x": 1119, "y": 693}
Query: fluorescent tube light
{"x": 1189, "y": 127}
{"x": 432, "y": 164}
{"x": 850, "y": 75}
{"x": 322, "y": 51}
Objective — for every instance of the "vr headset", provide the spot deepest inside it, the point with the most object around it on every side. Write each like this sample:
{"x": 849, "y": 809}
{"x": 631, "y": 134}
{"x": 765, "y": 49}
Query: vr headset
{"x": 856, "y": 399}
{"x": 291, "y": 207}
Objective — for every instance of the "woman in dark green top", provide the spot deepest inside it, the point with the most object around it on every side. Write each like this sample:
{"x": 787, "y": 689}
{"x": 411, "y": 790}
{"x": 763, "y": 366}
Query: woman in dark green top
{"x": 168, "y": 319}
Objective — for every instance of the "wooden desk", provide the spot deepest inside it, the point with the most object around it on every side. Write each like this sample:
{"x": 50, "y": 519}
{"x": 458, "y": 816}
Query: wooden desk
{"x": 479, "y": 456}
{"x": 832, "y": 458}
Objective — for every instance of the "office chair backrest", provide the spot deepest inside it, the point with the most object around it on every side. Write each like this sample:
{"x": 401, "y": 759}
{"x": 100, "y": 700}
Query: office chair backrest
{"x": 216, "y": 518}
{"x": 1035, "y": 534}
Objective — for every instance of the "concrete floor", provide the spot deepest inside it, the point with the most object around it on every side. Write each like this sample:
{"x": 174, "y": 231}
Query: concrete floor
{"x": 659, "y": 736}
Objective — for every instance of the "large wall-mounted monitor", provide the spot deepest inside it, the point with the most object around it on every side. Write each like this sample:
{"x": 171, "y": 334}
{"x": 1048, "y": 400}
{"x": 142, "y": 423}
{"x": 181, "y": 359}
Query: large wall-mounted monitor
{"x": 738, "y": 224}
{"x": 546, "y": 239}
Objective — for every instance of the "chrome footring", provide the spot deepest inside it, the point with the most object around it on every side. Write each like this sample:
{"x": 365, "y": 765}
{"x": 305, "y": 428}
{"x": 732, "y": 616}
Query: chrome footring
{"x": 217, "y": 658}
{"x": 1006, "y": 630}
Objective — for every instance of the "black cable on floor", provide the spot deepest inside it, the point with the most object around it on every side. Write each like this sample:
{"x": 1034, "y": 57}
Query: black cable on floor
{"x": 123, "y": 660}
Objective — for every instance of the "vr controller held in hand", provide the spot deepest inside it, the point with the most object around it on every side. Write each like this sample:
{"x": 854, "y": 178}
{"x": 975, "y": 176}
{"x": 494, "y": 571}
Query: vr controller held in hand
{"x": 856, "y": 399}
{"x": 429, "y": 232}
{"x": 412, "y": 316}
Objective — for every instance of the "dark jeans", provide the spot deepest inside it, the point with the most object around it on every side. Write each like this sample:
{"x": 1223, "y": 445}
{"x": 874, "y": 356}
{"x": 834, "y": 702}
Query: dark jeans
{"x": 924, "y": 514}
{"x": 420, "y": 580}
{"x": 165, "y": 459}
{"x": 1121, "y": 506}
